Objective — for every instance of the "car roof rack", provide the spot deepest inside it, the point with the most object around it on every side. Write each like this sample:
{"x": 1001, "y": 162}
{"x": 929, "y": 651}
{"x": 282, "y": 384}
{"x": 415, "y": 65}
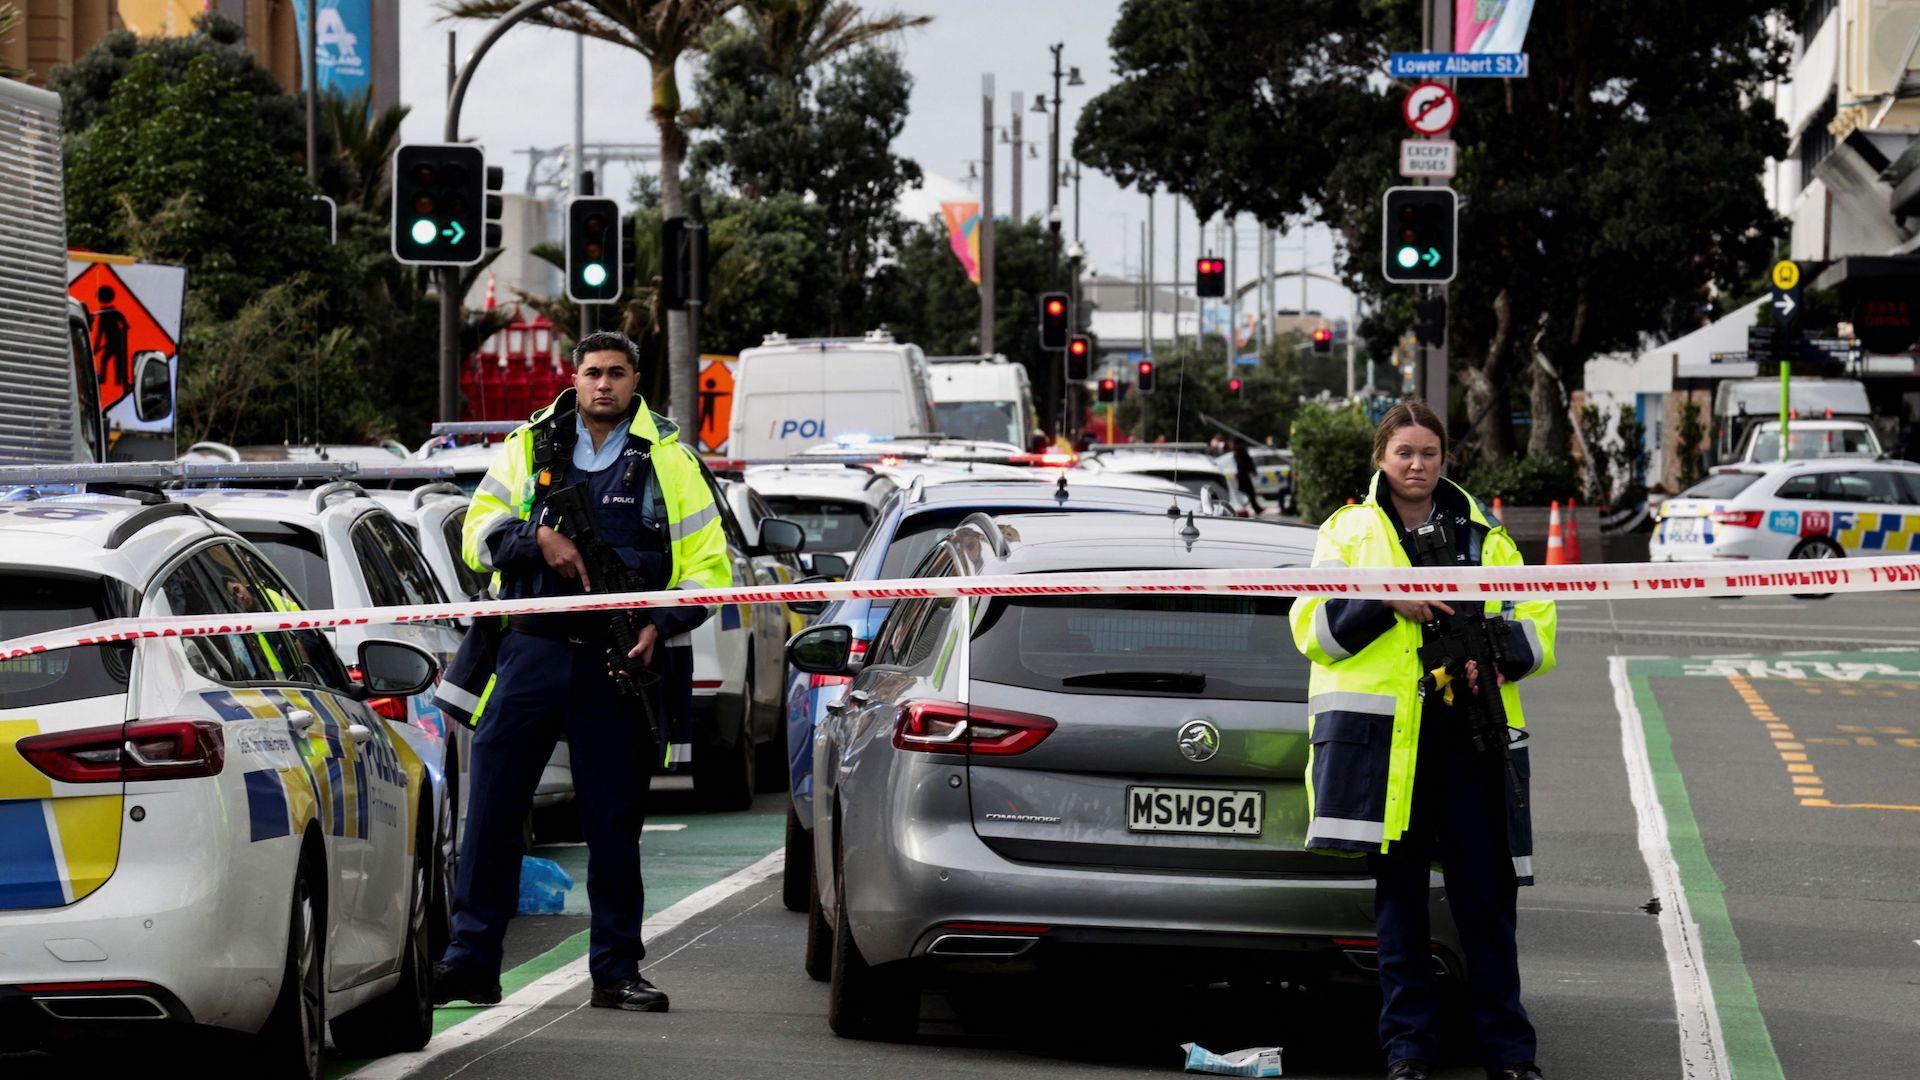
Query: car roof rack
{"x": 419, "y": 496}
{"x": 475, "y": 427}
{"x": 405, "y": 470}
{"x": 995, "y": 538}
{"x": 156, "y": 473}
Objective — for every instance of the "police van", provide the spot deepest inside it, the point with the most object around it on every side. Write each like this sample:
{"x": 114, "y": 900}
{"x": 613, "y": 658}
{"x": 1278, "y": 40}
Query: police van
{"x": 793, "y": 394}
{"x": 984, "y": 397}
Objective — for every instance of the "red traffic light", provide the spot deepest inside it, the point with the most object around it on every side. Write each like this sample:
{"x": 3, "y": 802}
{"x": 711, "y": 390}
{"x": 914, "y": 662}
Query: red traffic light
{"x": 1055, "y": 307}
{"x": 1146, "y": 368}
{"x": 1322, "y": 334}
{"x": 1106, "y": 384}
{"x": 1077, "y": 346}
{"x": 1233, "y": 385}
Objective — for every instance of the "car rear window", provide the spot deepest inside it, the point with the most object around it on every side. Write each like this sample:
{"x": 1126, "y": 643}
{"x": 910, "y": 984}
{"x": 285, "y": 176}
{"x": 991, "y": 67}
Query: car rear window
{"x": 1721, "y": 486}
{"x": 297, "y": 554}
{"x": 989, "y": 421}
{"x": 830, "y": 524}
{"x": 1241, "y": 644}
{"x": 36, "y": 604}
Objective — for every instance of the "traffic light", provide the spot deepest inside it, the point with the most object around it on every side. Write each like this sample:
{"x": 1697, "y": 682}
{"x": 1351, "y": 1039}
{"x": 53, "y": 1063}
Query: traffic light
{"x": 1430, "y": 321}
{"x": 1108, "y": 390}
{"x": 679, "y": 239}
{"x": 593, "y": 250}
{"x": 1055, "y": 319}
{"x": 496, "y": 206}
{"x": 439, "y": 204}
{"x": 1233, "y": 386}
{"x": 1322, "y": 340}
{"x": 1145, "y": 380}
{"x": 1079, "y": 357}
{"x": 1417, "y": 234}
{"x": 1210, "y": 276}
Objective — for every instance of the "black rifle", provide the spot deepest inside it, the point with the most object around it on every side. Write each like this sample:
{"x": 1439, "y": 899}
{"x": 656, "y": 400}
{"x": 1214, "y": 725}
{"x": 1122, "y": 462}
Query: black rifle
{"x": 573, "y": 519}
{"x": 1450, "y": 642}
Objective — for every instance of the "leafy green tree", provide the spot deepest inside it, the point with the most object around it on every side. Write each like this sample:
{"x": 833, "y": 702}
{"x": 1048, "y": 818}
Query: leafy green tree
{"x": 366, "y": 142}
{"x": 663, "y": 31}
{"x": 165, "y": 154}
{"x": 1613, "y": 193}
{"x": 924, "y": 297}
{"x": 1332, "y": 458}
{"x": 787, "y": 109}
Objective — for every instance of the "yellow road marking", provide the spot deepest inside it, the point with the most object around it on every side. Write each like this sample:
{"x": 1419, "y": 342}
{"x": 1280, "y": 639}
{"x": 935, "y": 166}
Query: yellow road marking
{"x": 1810, "y": 789}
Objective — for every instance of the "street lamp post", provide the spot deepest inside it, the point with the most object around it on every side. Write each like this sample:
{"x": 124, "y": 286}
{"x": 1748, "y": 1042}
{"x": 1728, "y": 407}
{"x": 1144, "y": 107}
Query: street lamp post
{"x": 1072, "y": 75}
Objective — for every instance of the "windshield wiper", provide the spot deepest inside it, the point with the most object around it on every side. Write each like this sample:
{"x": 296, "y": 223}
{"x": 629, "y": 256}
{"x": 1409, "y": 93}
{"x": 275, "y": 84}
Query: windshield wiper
{"x": 1174, "y": 682}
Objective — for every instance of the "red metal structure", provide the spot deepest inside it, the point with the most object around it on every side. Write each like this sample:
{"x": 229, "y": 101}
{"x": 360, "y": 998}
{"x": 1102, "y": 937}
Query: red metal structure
{"x": 515, "y": 372}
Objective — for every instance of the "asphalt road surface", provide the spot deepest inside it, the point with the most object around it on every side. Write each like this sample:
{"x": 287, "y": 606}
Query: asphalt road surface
{"x": 1727, "y": 814}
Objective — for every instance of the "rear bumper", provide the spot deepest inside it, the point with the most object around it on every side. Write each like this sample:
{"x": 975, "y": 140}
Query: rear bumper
{"x": 910, "y": 876}
{"x": 204, "y": 922}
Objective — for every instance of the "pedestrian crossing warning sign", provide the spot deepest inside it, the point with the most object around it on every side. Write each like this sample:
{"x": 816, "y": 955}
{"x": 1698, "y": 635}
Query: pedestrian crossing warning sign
{"x": 715, "y": 395}
{"x": 133, "y": 323}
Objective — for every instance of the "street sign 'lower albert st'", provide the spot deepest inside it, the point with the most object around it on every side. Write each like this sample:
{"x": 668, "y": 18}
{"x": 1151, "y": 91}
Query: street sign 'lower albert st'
{"x": 1411, "y": 65}
{"x": 1427, "y": 157}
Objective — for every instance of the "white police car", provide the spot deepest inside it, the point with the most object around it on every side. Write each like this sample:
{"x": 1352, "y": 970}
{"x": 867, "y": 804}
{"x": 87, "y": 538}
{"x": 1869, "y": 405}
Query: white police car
{"x": 1818, "y": 509}
{"x": 204, "y": 831}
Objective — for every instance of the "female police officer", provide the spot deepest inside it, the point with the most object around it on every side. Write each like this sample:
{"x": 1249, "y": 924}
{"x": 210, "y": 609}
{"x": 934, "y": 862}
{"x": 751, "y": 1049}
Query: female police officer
{"x": 1394, "y": 772}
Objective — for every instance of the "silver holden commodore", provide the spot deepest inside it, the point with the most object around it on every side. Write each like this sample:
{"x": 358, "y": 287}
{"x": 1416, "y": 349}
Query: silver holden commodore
{"x": 1013, "y": 784}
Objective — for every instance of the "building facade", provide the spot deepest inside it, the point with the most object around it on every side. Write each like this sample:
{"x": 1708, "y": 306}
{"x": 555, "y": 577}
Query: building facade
{"x": 52, "y": 33}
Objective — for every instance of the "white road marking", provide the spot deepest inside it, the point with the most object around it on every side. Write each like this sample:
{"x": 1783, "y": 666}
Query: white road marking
{"x": 1882, "y": 628}
{"x": 1703, "y": 1050}
{"x": 551, "y": 985}
{"x": 1747, "y": 635}
{"x": 1761, "y": 607}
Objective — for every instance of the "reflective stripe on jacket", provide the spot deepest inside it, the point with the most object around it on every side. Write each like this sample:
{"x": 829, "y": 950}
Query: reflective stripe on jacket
{"x": 1363, "y": 698}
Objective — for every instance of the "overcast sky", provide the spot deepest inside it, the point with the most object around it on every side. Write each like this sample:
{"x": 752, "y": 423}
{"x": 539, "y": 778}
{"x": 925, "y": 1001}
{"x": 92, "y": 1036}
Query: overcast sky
{"x": 523, "y": 96}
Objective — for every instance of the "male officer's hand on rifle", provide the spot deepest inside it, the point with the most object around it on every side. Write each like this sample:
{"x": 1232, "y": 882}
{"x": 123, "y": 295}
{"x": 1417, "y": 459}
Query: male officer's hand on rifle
{"x": 563, "y": 555}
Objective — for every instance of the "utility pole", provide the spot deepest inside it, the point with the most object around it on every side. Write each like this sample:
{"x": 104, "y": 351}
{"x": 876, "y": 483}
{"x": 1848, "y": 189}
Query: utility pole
{"x": 1436, "y": 32}
{"x": 1053, "y": 134}
{"x": 1076, "y": 202}
{"x": 313, "y": 92}
{"x": 1173, "y": 332}
{"x": 576, "y": 189}
{"x": 1152, "y": 289}
{"x": 1018, "y": 149}
{"x": 986, "y": 215}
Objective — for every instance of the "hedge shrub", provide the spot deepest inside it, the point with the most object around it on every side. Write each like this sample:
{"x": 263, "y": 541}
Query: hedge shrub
{"x": 1535, "y": 480}
{"x": 1332, "y": 458}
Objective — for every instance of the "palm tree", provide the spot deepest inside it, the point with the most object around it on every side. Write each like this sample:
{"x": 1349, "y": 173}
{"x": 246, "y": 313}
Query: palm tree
{"x": 366, "y": 142}
{"x": 662, "y": 31}
{"x": 796, "y": 36}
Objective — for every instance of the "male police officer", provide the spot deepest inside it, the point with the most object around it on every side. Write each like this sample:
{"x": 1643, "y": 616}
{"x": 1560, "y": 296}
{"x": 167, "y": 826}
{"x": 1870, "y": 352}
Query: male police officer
{"x": 551, "y": 674}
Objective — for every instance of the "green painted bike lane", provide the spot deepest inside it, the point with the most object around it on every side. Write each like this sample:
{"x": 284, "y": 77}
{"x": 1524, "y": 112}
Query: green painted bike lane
{"x": 680, "y": 855}
{"x": 1749, "y": 1043}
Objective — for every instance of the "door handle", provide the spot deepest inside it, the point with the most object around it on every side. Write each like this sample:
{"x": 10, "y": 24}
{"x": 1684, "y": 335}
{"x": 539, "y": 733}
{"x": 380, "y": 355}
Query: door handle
{"x": 301, "y": 720}
{"x": 360, "y": 733}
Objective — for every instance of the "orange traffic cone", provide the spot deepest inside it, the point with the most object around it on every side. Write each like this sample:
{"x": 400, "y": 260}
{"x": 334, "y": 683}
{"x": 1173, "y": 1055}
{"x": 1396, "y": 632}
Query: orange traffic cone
{"x": 1556, "y": 553}
{"x": 1351, "y": 500}
{"x": 1499, "y": 514}
{"x": 1573, "y": 532}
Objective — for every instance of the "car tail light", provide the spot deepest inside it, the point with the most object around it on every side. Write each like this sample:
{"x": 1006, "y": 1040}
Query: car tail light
{"x": 391, "y": 708}
{"x": 168, "y": 748}
{"x": 1744, "y": 519}
{"x": 858, "y": 652}
{"x": 950, "y": 727}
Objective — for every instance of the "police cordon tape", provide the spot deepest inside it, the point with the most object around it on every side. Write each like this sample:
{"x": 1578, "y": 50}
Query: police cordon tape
{"x": 1619, "y": 581}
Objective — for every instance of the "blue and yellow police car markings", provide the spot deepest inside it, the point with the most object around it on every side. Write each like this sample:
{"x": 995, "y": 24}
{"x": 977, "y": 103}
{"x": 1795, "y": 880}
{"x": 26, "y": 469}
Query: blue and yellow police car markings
{"x": 1869, "y": 530}
{"x": 54, "y": 850}
{"x": 329, "y": 778}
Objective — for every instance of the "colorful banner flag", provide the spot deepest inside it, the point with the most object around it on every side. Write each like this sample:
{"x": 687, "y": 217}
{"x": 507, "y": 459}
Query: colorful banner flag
{"x": 344, "y": 53}
{"x": 1491, "y": 26}
{"x": 963, "y": 234}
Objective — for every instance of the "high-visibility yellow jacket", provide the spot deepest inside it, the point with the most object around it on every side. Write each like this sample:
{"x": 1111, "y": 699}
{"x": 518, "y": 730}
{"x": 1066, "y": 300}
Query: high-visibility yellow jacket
{"x": 1363, "y": 698}
{"x": 504, "y": 502}
{"x": 499, "y": 527}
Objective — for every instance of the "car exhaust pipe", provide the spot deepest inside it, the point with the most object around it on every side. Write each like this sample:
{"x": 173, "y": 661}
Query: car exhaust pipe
{"x": 102, "y": 1007}
{"x": 980, "y": 945}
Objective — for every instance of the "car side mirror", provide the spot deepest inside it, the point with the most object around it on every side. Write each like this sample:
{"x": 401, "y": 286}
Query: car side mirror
{"x": 829, "y": 566}
{"x": 152, "y": 386}
{"x": 393, "y": 669}
{"x": 809, "y": 607}
{"x": 782, "y": 537}
{"x": 823, "y": 650}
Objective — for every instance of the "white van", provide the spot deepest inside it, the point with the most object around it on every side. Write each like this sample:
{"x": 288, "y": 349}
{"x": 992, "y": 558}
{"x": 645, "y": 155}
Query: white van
{"x": 790, "y": 395}
{"x": 985, "y": 398}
